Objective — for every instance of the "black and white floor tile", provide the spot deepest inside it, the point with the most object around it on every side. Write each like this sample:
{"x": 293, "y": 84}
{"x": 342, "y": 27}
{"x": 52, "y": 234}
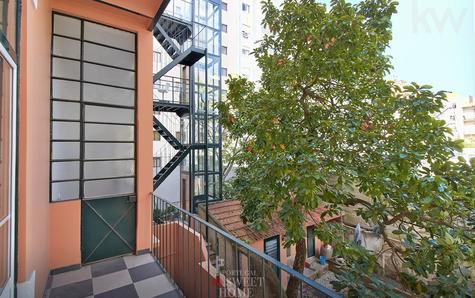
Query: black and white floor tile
{"x": 123, "y": 277}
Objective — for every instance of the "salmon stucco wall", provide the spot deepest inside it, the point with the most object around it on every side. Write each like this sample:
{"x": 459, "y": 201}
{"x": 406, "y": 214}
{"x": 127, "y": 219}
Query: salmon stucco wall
{"x": 54, "y": 229}
{"x": 146, "y": 7}
{"x": 33, "y": 182}
{"x": 65, "y": 234}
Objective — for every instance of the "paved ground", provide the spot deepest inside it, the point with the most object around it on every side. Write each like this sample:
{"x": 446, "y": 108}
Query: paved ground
{"x": 124, "y": 277}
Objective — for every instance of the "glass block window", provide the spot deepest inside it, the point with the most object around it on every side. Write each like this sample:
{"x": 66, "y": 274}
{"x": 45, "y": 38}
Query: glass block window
{"x": 92, "y": 110}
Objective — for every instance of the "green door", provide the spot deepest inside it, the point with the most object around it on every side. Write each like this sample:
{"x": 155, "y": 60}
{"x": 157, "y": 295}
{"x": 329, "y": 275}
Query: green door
{"x": 108, "y": 228}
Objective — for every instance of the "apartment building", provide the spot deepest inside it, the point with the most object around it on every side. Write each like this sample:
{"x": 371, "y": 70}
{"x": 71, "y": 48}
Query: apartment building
{"x": 241, "y": 31}
{"x": 459, "y": 114}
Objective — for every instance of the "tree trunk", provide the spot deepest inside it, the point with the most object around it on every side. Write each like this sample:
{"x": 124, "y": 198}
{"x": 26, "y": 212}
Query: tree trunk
{"x": 299, "y": 264}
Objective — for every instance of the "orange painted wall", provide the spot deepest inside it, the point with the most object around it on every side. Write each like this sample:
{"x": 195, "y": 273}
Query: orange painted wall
{"x": 145, "y": 7}
{"x": 65, "y": 234}
{"x": 53, "y": 229}
{"x": 33, "y": 203}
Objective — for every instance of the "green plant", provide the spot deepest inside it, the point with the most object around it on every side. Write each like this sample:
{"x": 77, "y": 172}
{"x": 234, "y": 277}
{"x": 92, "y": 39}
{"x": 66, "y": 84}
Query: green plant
{"x": 161, "y": 215}
{"x": 323, "y": 121}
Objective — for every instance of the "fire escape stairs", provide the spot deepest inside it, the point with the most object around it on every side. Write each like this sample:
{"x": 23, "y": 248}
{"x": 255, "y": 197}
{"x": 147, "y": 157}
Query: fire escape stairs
{"x": 179, "y": 108}
{"x": 172, "y": 34}
{"x": 175, "y": 28}
{"x": 187, "y": 58}
{"x": 168, "y": 136}
{"x": 167, "y": 43}
{"x": 183, "y": 150}
{"x": 170, "y": 166}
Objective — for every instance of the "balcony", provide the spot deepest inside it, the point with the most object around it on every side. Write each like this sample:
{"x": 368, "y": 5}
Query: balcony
{"x": 205, "y": 261}
{"x": 171, "y": 89}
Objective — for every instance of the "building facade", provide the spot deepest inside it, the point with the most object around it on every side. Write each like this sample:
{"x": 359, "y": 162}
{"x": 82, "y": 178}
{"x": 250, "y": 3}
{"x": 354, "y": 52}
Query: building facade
{"x": 242, "y": 30}
{"x": 84, "y": 137}
{"x": 459, "y": 114}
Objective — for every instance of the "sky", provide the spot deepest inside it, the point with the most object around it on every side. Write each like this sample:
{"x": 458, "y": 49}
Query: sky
{"x": 434, "y": 43}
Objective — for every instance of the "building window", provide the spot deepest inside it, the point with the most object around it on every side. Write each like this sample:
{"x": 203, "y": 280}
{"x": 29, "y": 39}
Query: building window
{"x": 156, "y": 136}
{"x": 157, "y": 162}
{"x": 7, "y": 175}
{"x": 157, "y": 61}
{"x": 93, "y": 110}
{"x": 245, "y": 34}
{"x": 224, "y": 6}
{"x": 8, "y": 23}
{"x": 310, "y": 242}
{"x": 224, "y": 28}
{"x": 245, "y": 52}
{"x": 272, "y": 249}
{"x": 224, "y": 72}
{"x": 224, "y": 50}
{"x": 245, "y": 7}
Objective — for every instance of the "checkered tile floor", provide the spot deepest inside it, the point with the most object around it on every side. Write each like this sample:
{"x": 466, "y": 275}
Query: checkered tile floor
{"x": 124, "y": 277}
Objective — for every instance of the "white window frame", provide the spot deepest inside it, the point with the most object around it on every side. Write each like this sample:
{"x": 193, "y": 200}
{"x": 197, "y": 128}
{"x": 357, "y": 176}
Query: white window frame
{"x": 8, "y": 290}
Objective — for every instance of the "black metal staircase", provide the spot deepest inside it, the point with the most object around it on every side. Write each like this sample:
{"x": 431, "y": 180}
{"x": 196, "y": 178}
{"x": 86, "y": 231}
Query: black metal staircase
{"x": 167, "y": 43}
{"x": 175, "y": 28}
{"x": 168, "y": 136}
{"x": 179, "y": 109}
{"x": 173, "y": 35}
{"x": 187, "y": 58}
{"x": 170, "y": 166}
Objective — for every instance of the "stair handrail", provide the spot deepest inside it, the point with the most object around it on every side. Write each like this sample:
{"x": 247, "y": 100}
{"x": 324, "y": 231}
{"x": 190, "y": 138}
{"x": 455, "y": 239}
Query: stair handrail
{"x": 174, "y": 85}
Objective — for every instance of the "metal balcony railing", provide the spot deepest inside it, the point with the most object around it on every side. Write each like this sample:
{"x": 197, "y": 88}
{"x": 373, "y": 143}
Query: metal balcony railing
{"x": 205, "y": 261}
{"x": 172, "y": 90}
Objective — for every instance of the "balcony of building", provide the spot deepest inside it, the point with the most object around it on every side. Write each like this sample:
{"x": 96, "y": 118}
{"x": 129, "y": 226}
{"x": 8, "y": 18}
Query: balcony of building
{"x": 204, "y": 260}
{"x": 190, "y": 257}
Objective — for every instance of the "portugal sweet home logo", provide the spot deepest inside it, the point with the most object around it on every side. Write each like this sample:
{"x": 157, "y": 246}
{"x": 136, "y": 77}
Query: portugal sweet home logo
{"x": 237, "y": 283}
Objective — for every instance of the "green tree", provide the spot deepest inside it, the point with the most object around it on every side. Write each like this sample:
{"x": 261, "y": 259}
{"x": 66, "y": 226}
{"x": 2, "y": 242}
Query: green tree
{"x": 324, "y": 120}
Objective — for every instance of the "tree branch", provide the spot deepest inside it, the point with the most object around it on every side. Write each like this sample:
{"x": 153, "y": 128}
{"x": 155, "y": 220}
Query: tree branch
{"x": 396, "y": 218}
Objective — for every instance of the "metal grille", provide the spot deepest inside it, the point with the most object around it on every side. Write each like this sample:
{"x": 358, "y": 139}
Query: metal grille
{"x": 93, "y": 102}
